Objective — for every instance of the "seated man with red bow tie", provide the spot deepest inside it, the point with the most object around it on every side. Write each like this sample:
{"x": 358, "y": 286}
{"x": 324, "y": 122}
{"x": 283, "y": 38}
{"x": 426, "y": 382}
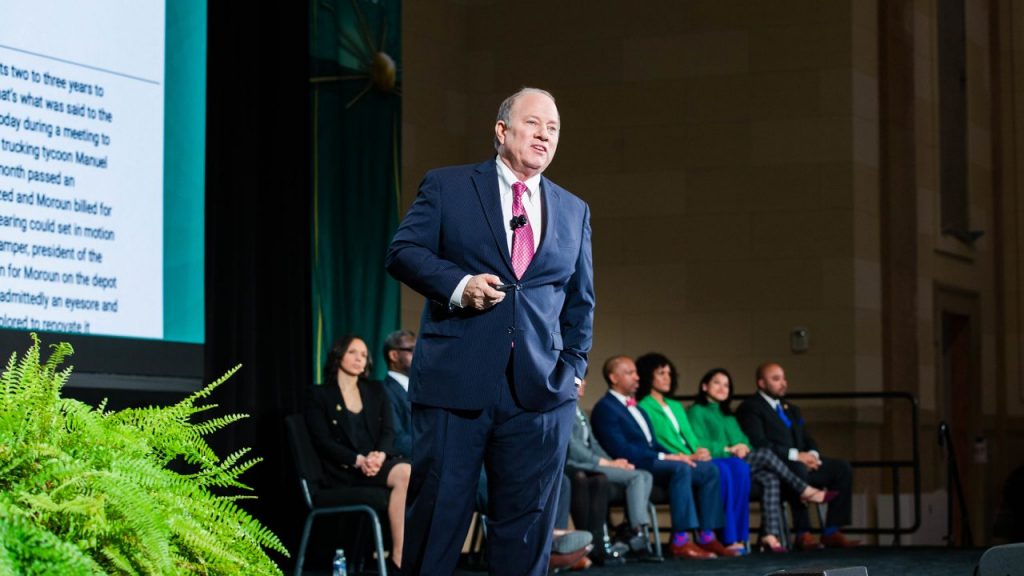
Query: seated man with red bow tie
{"x": 769, "y": 421}
{"x": 625, "y": 432}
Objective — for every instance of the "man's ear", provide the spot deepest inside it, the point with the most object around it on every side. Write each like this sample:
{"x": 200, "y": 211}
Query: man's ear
{"x": 499, "y": 131}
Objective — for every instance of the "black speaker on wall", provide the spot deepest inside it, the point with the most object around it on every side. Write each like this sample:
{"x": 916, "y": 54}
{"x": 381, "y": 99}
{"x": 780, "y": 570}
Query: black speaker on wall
{"x": 851, "y": 571}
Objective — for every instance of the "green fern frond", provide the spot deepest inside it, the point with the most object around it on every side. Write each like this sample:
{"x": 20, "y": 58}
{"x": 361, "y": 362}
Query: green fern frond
{"x": 95, "y": 485}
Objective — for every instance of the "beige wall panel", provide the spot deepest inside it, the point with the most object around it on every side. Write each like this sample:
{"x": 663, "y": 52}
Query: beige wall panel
{"x": 641, "y": 289}
{"x": 837, "y": 277}
{"x": 713, "y": 285}
{"x": 839, "y": 93}
{"x": 867, "y": 285}
{"x": 800, "y": 140}
{"x": 713, "y": 191}
{"x": 783, "y": 188}
{"x": 796, "y": 94}
{"x": 711, "y": 53}
{"x": 786, "y": 47}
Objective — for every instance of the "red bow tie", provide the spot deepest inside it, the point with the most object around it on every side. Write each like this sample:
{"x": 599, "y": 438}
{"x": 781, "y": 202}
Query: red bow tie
{"x": 630, "y": 402}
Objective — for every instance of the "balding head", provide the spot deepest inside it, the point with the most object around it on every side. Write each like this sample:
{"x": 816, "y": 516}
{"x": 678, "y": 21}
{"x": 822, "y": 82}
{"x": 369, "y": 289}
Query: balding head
{"x": 771, "y": 379}
{"x": 620, "y": 374}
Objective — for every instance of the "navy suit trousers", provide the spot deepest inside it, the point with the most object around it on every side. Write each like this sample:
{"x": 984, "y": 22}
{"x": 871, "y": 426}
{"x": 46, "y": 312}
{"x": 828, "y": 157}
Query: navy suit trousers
{"x": 523, "y": 453}
{"x": 693, "y": 493}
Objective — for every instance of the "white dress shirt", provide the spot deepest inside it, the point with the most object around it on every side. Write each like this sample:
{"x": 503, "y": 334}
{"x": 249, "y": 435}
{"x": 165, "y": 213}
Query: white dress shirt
{"x": 532, "y": 207}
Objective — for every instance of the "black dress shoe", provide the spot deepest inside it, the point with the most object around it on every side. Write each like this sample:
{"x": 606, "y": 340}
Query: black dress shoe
{"x": 620, "y": 548}
{"x": 638, "y": 543}
{"x": 607, "y": 557}
{"x": 647, "y": 555}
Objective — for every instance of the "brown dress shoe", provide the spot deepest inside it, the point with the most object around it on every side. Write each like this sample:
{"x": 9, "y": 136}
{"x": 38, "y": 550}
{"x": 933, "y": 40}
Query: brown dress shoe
{"x": 838, "y": 540}
{"x": 806, "y": 542}
{"x": 691, "y": 550}
{"x": 569, "y": 559}
{"x": 583, "y": 564}
{"x": 716, "y": 548}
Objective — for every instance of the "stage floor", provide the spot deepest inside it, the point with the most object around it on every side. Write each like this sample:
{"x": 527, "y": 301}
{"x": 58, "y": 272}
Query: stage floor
{"x": 907, "y": 561}
{"x": 904, "y": 561}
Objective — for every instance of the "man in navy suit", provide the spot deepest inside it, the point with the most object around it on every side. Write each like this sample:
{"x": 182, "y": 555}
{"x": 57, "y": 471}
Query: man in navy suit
{"x": 398, "y": 349}
{"x": 503, "y": 257}
{"x": 626, "y": 432}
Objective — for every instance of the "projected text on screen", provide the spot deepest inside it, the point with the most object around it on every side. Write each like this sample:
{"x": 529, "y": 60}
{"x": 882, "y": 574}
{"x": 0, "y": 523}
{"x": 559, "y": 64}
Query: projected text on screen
{"x": 81, "y": 168}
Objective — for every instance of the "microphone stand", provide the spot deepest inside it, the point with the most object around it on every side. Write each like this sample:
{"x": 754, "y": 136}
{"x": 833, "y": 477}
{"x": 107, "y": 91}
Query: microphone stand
{"x": 953, "y": 482}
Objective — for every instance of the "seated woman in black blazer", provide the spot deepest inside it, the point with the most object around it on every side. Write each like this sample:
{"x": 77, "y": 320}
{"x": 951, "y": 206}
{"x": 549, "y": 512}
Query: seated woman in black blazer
{"x": 349, "y": 420}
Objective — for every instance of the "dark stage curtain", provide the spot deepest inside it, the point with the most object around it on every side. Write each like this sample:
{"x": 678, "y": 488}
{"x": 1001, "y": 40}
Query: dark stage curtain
{"x": 356, "y": 116}
{"x": 257, "y": 232}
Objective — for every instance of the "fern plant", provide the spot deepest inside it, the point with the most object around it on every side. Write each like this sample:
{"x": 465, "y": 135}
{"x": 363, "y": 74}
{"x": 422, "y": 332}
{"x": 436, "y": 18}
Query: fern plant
{"x": 84, "y": 490}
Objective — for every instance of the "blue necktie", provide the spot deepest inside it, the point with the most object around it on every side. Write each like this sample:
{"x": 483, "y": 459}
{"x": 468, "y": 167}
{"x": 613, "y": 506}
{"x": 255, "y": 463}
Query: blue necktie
{"x": 782, "y": 414}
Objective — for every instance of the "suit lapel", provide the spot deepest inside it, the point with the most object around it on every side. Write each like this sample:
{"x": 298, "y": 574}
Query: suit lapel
{"x": 625, "y": 413}
{"x": 549, "y": 208}
{"x": 486, "y": 182}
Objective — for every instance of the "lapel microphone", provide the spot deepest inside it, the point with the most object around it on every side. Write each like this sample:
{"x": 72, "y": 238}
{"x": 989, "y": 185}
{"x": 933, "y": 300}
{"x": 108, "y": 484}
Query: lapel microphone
{"x": 517, "y": 222}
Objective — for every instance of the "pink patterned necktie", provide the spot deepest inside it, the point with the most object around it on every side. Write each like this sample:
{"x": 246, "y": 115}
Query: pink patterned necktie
{"x": 522, "y": 237}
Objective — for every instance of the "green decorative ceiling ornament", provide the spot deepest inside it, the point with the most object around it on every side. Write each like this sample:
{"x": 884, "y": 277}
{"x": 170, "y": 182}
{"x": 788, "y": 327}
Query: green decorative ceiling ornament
{"x": 357, "y": 50}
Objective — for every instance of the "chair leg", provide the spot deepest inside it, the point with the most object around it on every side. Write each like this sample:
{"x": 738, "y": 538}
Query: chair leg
{"x": 300, "y": 556}
{"x": 478, "y": 541}
{"x": 653, "y": 512}
{"x": 785, "y": 525}
{"x": 378, "y": 539}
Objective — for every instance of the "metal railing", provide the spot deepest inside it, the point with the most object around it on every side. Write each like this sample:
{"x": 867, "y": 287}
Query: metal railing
{"x": 894, "y": 465}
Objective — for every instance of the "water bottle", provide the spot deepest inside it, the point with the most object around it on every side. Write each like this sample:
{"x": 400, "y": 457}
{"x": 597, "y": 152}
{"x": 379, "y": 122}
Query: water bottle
{"x": 339, "y": 567}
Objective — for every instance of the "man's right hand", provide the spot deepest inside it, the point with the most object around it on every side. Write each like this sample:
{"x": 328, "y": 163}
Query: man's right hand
{"x": 480, "y": 293}
{"x": 681, "y": 458}
{"x": 617, "y": 463}
{"x": 809, "y": 460}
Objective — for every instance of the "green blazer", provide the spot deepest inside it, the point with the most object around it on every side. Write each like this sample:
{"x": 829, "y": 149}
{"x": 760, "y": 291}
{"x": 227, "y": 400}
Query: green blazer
{"x": 716, "y": 429}
{"x": 684, "y": 441}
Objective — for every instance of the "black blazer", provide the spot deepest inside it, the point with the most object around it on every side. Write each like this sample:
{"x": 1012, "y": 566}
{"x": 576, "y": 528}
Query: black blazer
{"x": 765, "y": 428}
{"x": 330, "y": 426}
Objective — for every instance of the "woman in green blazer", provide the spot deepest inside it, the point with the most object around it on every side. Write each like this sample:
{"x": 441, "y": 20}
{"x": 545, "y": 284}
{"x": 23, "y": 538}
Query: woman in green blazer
{"x": 711, "y": 420}
{"x": 673, "y": 431}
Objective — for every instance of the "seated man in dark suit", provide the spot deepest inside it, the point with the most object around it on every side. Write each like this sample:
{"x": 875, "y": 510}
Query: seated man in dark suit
{"x": 769, "y": 421}
{"x": 398, "y": 348}
{"x": 625, "y": 432}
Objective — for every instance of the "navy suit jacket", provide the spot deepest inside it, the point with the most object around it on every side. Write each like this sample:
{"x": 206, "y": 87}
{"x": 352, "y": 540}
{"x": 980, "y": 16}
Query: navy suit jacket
{"x": 402, "y": 416}
{"x": 765, "y": 428}
{"x": 619, "y": 434}
{"x": 456, "y": 228}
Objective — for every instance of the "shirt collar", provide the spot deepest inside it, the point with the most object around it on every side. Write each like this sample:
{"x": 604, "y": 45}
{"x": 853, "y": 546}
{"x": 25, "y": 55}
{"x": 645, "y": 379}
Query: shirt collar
{"x": 620, "y": 397}
{"x": 508, "y": 178}
{"x": 402, "y": 379}
{"x": 773, "y": 402}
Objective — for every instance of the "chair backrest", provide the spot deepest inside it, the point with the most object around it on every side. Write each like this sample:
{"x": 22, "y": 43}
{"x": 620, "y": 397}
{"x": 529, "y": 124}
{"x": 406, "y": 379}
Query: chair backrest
{"x": 307, "y": 462}
{"x": 1001, "y": 560}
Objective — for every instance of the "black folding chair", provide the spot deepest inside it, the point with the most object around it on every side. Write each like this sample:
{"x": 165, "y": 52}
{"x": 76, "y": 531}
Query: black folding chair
{"x": 330, "y": 501}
